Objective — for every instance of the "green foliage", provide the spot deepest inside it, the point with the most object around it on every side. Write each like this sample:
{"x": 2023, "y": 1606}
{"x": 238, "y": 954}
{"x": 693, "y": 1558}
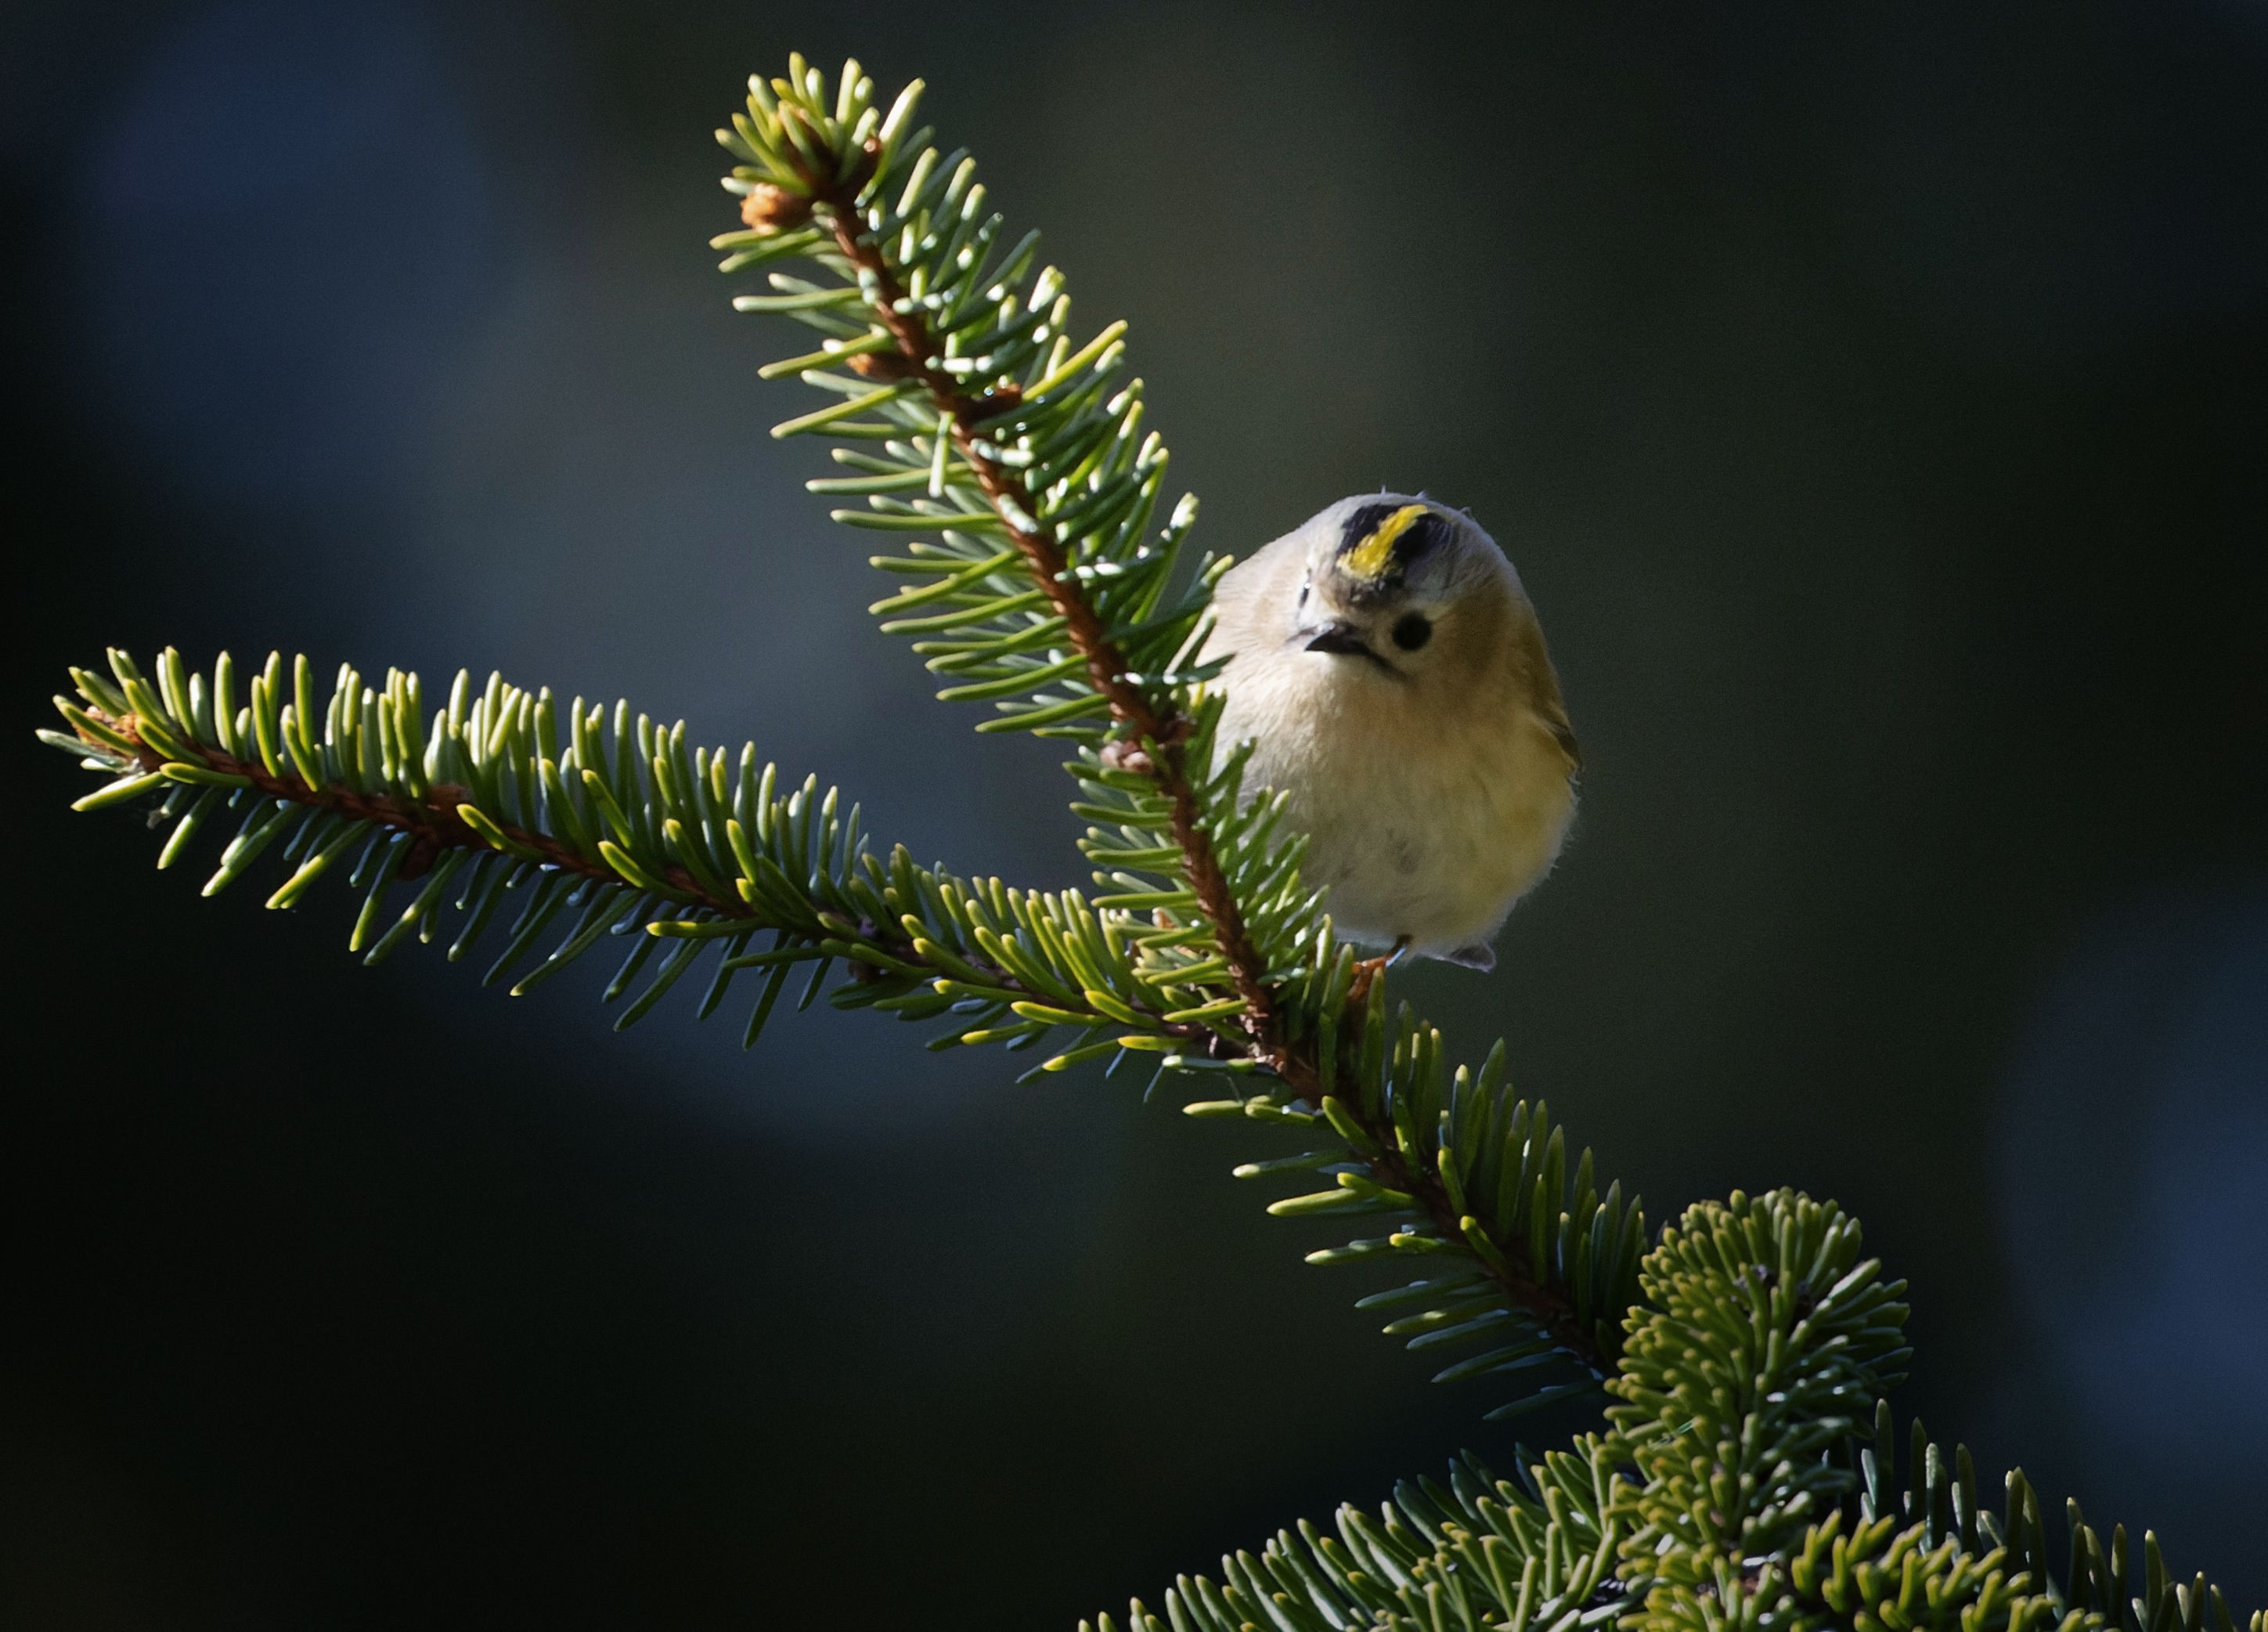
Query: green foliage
{"x": 1747, "y": 1477}
{"x": 1764, "y": 1343}
{"x": 1018, "y": 469}
{"x": 1479, "y": 1552}
{"x": 1745, "y": 1472}
{"x": 995, "y": 430}
{"x": 991, "y": 434}
{"x": 551, "y": 832}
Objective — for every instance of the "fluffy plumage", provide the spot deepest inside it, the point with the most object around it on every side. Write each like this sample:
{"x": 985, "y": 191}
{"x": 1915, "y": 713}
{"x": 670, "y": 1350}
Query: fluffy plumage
{"x": 1391, "y": 673}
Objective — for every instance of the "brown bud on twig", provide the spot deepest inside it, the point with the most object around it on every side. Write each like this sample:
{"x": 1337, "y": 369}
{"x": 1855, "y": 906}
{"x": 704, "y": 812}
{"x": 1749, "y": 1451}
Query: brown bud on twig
{"x": 881, "y": 365}
{"x": 1118, "y": 754}
{"x": 863, "y": 171}
{"x": 770, "y": 207}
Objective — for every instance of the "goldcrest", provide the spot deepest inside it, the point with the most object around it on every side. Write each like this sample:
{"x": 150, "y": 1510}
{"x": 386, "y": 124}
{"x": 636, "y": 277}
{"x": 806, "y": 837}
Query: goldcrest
{"x": 1389, "y": 671}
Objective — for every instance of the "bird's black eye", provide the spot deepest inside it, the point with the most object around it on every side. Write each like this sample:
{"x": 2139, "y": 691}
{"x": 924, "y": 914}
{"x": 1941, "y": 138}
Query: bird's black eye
{"x": 1412, "y": 630}
{"x": 1303, "y": 594}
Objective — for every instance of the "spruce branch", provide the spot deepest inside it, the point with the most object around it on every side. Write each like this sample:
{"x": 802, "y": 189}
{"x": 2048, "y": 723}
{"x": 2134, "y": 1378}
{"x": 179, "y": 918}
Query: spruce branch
{"x": 1152, "y": 717}
{"x": 833, "y": 187}
{"x": 605, "y": 824}
{"x": 690, "y": 846}
{"x": 1750, "y": 1405}
{"x": 973, "y": 421}
{"x": 1009, "y": 436}
{"x": 1749, "y": 1477}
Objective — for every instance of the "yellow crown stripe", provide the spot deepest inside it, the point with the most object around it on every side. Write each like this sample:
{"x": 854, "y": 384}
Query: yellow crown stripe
{"x": 1369, "y": 558}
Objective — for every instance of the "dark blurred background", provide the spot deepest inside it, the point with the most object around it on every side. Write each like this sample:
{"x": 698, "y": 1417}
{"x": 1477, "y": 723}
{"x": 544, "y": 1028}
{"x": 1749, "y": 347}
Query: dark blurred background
{"x": 1873, "y": 403}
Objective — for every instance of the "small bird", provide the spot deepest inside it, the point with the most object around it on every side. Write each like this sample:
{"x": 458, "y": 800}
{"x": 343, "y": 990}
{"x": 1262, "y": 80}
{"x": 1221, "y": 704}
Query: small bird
{"x": 1389, "y": 671}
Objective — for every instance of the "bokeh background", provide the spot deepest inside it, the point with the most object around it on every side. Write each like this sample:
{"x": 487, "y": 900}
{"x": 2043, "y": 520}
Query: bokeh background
{"x": 1873, "y": 402}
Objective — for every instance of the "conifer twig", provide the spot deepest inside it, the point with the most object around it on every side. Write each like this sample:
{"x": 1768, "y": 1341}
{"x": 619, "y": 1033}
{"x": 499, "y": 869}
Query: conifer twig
{"x": 969, "y": 416}
{"x": 1163, "y": 729}
{"x": 1157, "y": 723}
{"x": 435, "y": 824}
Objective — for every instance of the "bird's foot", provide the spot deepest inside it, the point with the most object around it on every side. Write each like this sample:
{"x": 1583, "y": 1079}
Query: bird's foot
{"x": 1369, "y": 969}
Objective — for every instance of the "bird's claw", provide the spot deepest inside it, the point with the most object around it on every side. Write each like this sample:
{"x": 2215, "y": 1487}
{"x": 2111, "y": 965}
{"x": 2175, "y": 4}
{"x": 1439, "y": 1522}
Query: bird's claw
{"x": 1367, "y": 970}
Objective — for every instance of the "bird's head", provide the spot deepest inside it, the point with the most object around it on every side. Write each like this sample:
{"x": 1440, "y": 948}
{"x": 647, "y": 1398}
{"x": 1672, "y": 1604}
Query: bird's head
{"x": 1399, "y": 584}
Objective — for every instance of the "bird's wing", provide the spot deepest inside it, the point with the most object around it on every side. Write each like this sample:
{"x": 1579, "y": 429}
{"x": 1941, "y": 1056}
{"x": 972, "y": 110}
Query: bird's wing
{"x": 1543, "y": 694}
{"x": 1553, "y": 714}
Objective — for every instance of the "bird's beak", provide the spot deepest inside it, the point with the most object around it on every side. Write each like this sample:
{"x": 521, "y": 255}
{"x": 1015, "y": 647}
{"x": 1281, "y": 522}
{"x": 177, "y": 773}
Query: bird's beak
{"x": 1339, "y": 637}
